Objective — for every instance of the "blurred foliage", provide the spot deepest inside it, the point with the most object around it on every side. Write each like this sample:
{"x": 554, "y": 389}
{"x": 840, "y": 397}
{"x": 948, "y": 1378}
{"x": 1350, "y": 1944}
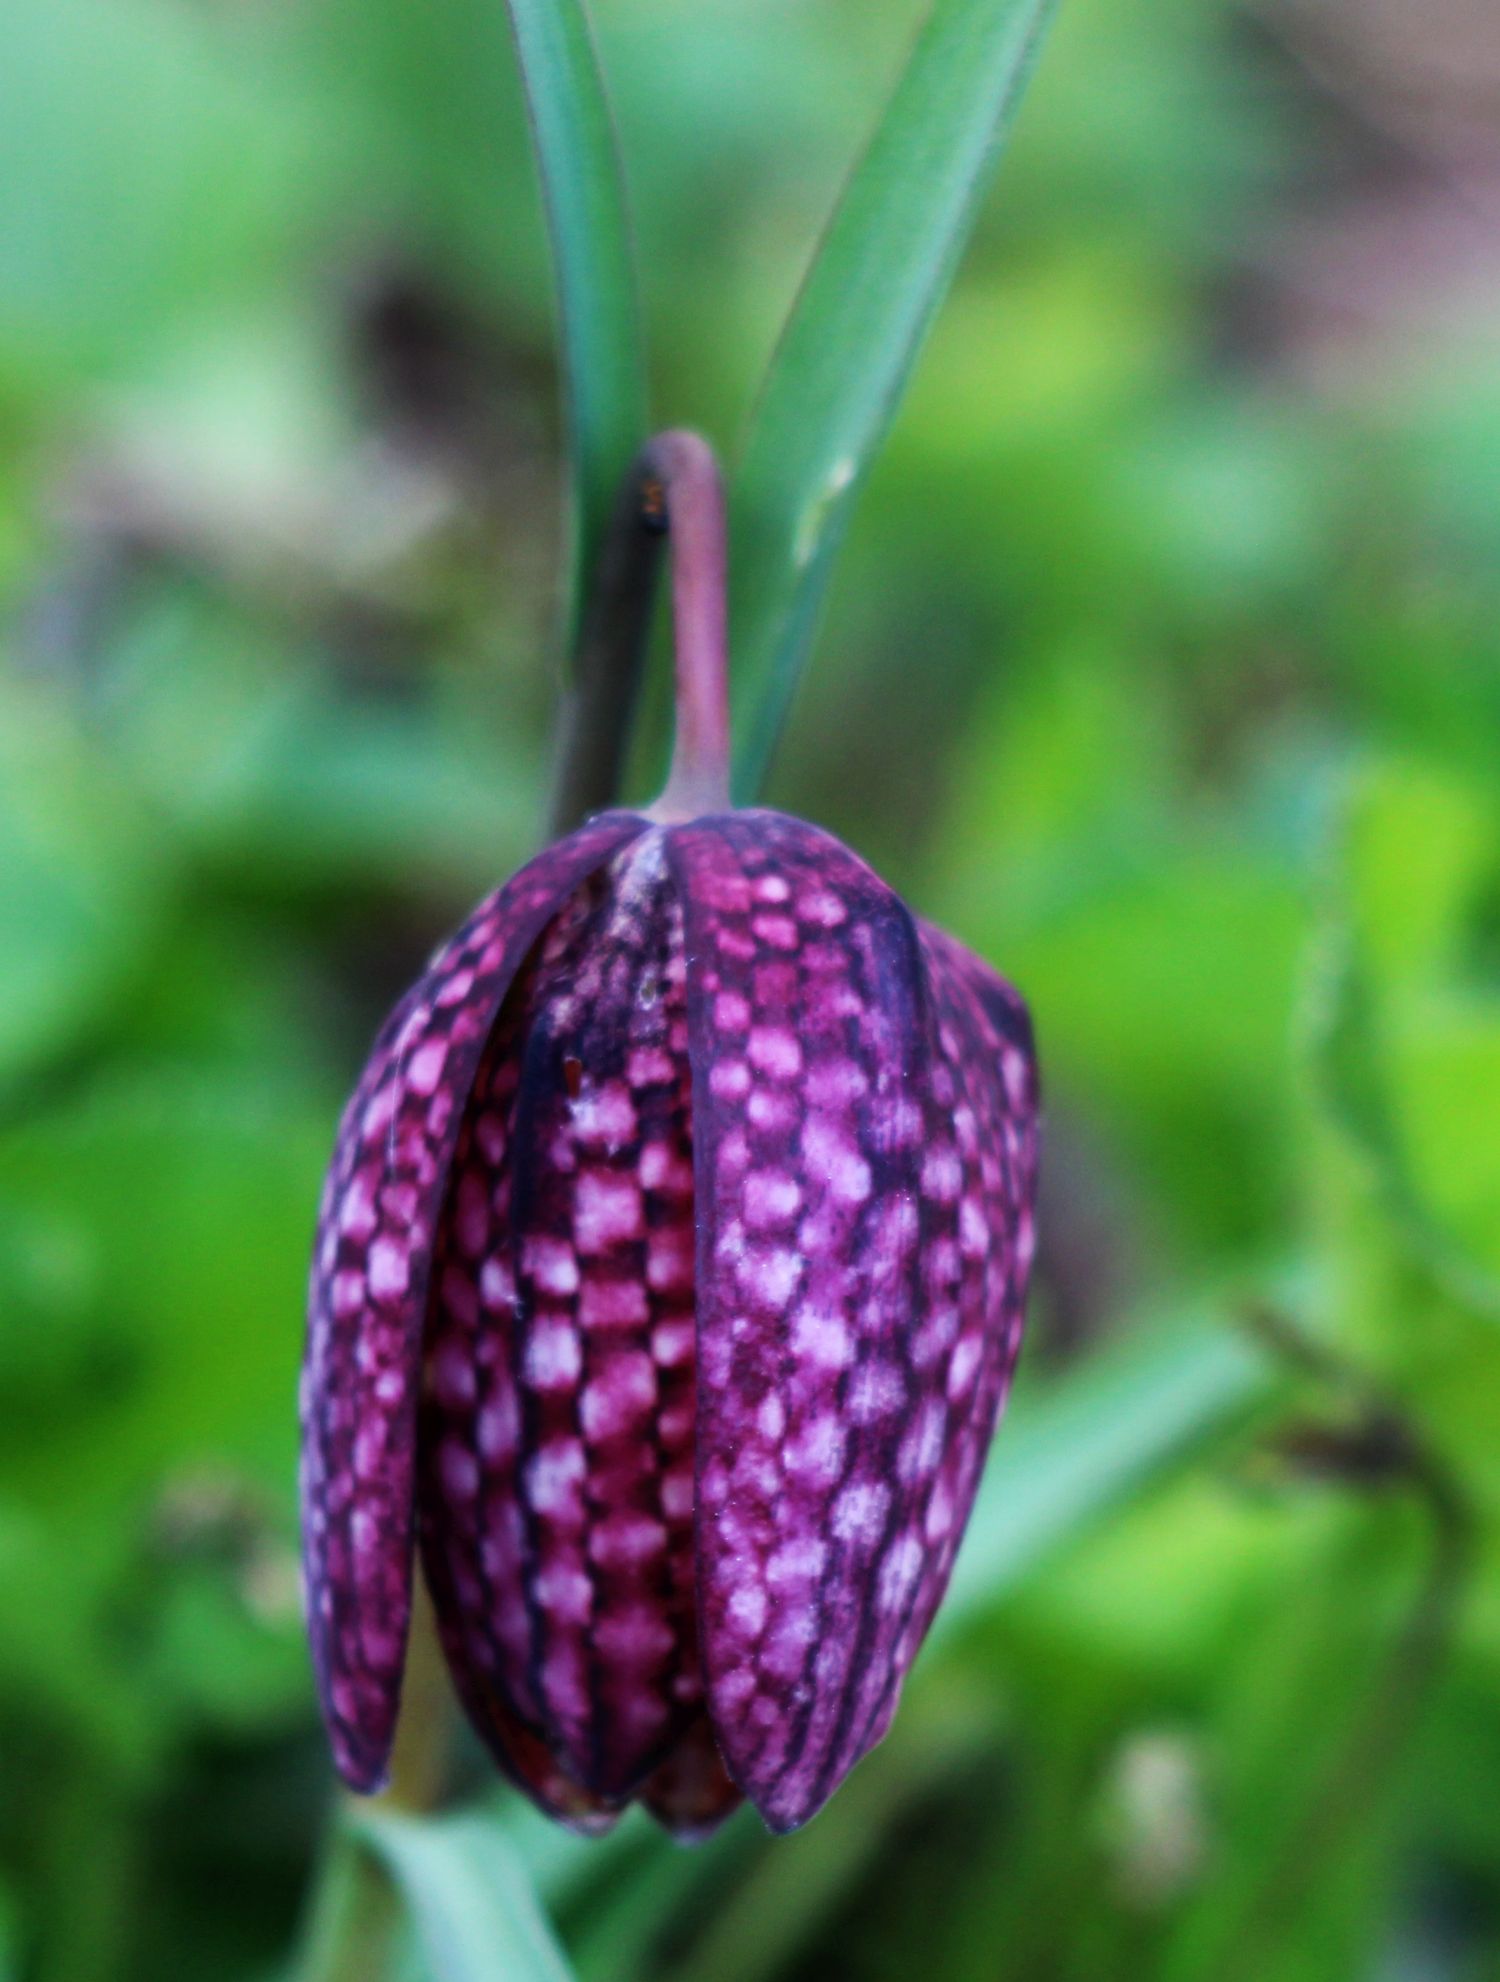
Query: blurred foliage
{"x": 1160, "y": 662}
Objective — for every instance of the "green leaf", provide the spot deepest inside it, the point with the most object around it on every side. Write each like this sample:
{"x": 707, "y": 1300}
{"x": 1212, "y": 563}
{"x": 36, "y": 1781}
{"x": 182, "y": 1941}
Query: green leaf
{"x": 159, "y": 1226}
{"x": 1417, "y": 1125}
{"x": 853, "y": 336}
{"x": 80, "y": 893}
{"x": 476, "y": 1915}
{"x": 602, "y": 349}
{"x": 1402, "y": 1033}
{"x": 56, "y": 1662}
{"x": 147, "y": 179}
{"x": 1082, "y": 1447}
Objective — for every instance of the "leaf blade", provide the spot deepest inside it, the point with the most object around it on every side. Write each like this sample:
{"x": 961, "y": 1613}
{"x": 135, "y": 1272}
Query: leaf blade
{"x": 588, "y": 221}
{"x": 873, "y": 287}
{"x": 474, "y": 1909}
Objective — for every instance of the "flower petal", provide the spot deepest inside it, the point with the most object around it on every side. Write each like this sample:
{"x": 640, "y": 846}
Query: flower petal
{"x": 555, "y": 1464}
{"x": 859, "y": 1290}
{"x": 977, "y": 1191}
{"x": 517, "y": 1748}
{"x": 368, "y": 1296}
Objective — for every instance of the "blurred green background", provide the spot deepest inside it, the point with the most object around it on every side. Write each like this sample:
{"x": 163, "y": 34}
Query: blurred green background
{"x": 1161, "y": 664}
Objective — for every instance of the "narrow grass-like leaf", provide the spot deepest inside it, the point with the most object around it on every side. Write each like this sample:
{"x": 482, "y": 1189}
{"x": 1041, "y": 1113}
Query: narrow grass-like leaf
{"x": 587, "y": 216}
{"x": 1094, "y": 1438}
{"x": 853, "y": 335}
{"x": 476, "y": 1916}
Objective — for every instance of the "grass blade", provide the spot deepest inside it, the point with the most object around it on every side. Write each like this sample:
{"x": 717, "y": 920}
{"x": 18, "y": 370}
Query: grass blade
{"x": 603, "y": 352}
{"x": 476, "y": 1915}
{"x": 853, "y": 336}
{"x": 1096, "y": 1436}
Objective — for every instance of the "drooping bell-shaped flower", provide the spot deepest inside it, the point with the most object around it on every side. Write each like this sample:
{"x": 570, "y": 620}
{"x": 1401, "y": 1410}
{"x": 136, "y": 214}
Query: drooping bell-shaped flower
{"x": 669, "y": 1278}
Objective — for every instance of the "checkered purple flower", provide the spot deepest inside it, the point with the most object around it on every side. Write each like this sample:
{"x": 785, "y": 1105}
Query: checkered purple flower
{"x": 669, "y": 1279}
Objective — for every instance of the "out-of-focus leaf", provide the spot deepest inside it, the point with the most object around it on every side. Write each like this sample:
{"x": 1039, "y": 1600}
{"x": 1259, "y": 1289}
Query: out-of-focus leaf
{"x": 180, "y": 1210}
{"x": 321, "y": 791}
{"x": 1355, "y": 1077}
{"x": 1321, "y": 1694}
{"x": 475, "y": 1913}
{"x": 1159, "y": 938}
{"x": 604, "y": 361}
{"x": 1094, "y": 1438}
{"x": 79, "y": 891}
{"x": 225, "y": 1642}
{"x": 264, "y": 768}
{"x": 55, "y": 1666}
{"x": 1403, "y": 1039}
{"x": 854, "y": 334}
{"x": 143, "y": 179}
{"x": 1416, "y": 844}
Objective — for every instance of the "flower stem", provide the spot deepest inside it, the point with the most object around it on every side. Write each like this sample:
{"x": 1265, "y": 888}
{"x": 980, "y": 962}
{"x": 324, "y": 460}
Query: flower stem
{"x": 692, "y": 501}
{"x": 672, "y": 493}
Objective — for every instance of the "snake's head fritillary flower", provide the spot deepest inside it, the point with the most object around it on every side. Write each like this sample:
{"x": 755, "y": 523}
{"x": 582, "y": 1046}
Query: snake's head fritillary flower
{"x": 669, "y": 1279}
